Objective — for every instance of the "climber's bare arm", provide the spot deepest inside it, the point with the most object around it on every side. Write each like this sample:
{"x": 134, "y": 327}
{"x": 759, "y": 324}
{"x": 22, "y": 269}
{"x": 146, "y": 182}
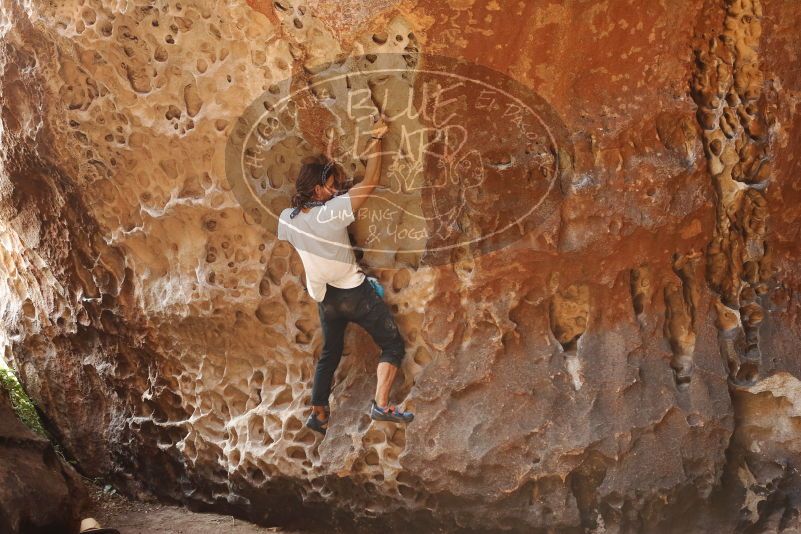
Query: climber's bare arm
{"x": 360, "y": 192}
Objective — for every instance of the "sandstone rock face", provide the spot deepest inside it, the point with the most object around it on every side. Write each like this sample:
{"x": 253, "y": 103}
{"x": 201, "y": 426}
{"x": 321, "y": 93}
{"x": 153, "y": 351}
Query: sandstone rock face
{"x": 625, "y": 362}
{"x": 39, "y": 492}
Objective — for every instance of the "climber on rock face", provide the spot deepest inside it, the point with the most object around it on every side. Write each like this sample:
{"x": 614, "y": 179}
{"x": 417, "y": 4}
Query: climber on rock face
{"x": 316, "y": 226}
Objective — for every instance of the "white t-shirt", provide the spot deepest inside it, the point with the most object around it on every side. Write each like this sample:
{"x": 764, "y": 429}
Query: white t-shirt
{"x": 321, "y": 238}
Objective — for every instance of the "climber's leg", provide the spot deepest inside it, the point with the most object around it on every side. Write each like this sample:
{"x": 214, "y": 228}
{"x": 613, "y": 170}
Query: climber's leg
{"x": 376, "y": 318}
{"x": 385, "y": 377}
{"x": 333, "y": 327}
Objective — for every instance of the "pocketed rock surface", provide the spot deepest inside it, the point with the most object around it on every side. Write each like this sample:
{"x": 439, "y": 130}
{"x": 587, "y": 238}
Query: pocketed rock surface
{"x": 629, "y": 363}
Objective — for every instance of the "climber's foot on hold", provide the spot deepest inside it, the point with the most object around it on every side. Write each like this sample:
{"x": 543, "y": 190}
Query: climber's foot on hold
{"x": 318, "y": 425}
{"x": 389, "y": 413}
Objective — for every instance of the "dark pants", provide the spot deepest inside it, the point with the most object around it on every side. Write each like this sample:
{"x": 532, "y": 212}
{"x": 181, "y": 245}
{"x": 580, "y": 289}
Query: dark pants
{"x": 363, "y": 306}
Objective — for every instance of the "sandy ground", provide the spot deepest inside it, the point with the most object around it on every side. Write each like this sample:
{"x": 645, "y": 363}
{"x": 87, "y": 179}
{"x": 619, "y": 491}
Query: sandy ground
{"x": 134, "y": 517}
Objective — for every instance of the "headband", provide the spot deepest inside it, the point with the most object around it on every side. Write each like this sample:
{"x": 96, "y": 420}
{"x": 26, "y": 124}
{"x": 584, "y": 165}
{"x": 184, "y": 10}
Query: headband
{"x": 329, "y": 164}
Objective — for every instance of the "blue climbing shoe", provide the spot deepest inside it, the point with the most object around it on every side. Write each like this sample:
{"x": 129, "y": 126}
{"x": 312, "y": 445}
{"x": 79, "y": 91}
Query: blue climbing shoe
{"x": 317, "y": 425}
{"x": 390, "y": 413}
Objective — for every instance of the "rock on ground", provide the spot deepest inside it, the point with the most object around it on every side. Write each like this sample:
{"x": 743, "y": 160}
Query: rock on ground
{"x": 39, "y": 492}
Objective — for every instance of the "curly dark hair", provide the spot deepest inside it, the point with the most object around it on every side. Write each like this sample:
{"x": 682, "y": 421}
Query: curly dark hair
{"x": 313, "y": 173}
